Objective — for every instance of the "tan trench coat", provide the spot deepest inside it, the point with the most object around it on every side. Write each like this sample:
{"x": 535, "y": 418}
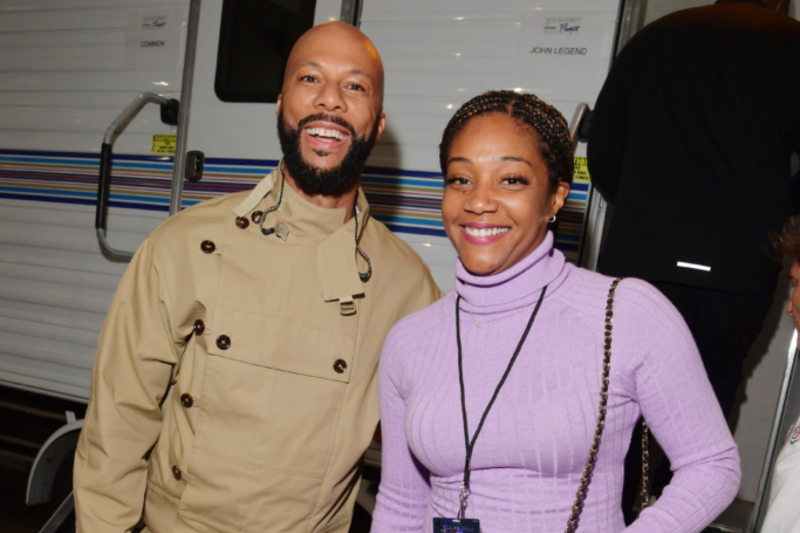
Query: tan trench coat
{"x": 234, "y": 384}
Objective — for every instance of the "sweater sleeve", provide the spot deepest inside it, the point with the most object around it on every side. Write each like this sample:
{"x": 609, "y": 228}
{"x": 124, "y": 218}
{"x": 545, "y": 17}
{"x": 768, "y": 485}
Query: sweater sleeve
{"x": 679, "y": 406}
{"x": 404, "y": 490}
{"x": 132, "y": 370}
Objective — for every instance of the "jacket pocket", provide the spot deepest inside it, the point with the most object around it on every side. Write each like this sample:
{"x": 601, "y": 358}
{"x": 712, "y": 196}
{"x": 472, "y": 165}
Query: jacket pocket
{"x": 272, "y": 393}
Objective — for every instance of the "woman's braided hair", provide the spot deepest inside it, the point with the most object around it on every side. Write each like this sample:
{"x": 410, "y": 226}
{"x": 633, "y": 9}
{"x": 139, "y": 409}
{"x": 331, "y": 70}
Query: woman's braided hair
{"x": 555, "y": 145}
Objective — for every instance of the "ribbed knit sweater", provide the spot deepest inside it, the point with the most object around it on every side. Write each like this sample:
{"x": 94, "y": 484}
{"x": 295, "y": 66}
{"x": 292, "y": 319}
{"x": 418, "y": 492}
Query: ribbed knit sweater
{"x": 528, "y": 460}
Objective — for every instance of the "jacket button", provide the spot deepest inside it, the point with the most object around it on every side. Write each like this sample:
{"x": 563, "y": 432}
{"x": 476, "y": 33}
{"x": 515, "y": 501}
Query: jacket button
{"x": 256, "y": 216}
{"x": 223, "y": 342}
{"x": 242, "y": 222}
{"x": 176, "y": 473}
{"x": 208, "y": 247}
{"x": 340, "y": 365}
{"x": 199, "y": 327}
{"x": 186, "y": 400}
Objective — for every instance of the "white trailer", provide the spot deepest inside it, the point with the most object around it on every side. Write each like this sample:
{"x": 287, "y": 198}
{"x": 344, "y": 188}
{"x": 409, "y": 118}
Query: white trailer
{"x": 70, "y": 67}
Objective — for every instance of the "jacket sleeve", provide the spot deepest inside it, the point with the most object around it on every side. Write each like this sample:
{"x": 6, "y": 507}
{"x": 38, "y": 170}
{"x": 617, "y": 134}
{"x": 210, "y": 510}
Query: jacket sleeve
{"x": 677, "y": 402}
{"x": 607, "y": 134}
{"x": 132, "y": 371}
{"x": 404, "y": 491}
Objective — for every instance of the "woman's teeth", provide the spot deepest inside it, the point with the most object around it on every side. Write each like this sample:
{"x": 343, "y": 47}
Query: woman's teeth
{"x": 484, "y": 232}
{"x": 322, "y": 132}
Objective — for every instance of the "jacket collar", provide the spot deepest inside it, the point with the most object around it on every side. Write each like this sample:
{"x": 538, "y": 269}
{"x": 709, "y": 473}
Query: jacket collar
{"x": 337, "y": 259}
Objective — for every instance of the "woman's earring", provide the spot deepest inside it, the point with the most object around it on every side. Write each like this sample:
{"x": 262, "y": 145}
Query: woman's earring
{"x": 551, "y": 220}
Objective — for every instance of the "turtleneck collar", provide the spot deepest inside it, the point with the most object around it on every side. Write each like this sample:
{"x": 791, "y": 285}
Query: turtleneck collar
{"x": 514, "y": 287}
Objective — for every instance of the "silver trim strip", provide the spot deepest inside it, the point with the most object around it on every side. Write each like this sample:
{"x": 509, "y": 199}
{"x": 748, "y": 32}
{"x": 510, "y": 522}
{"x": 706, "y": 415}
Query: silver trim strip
{"x": 178, "y": 170}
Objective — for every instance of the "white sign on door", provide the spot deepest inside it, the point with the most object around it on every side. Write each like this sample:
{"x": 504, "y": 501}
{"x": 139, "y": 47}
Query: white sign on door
{"x": 153, "y": 38}
{"x": 558, "y": 46}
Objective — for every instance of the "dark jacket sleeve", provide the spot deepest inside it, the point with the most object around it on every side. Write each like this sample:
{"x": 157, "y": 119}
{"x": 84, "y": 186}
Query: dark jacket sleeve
{"x": 608, "y": 135}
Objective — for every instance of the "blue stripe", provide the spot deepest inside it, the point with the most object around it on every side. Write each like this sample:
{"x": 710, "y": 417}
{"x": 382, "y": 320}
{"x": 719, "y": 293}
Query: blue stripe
{"x": 84, "y": 155}
{"x": 255, "y": 171}
{"x": 272, "y": 163}
{"x": 407, "y": 220}
{"x": 416, "y": 231}
{"x": 402, "y": 172}
{"x": 403, "y": 181}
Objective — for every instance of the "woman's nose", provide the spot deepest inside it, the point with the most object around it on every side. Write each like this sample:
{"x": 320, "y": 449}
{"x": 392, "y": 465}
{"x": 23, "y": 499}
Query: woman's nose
{"x": 481, "y": 200}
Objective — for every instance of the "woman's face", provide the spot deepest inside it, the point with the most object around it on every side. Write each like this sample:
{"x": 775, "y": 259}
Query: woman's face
{"x": 496, "y": 200}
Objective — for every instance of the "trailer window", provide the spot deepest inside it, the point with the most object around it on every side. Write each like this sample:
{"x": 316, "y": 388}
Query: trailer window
{"x": 255, "y": 39}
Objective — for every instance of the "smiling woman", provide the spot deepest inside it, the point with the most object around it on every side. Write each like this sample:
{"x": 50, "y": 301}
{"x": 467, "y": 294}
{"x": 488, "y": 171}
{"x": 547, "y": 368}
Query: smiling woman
{"x": 492, "y": 398}
{"x": 497, "y": 199}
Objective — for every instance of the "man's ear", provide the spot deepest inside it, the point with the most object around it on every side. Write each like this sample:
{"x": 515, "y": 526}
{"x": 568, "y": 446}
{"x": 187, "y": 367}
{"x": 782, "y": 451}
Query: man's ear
{"x": 381, "y": 127}
{"x": 278, "y": 105}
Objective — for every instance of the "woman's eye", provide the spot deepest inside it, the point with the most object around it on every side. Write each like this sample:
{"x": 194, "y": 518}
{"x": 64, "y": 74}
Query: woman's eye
{"x": 515, "y": 180}
{"x": 456, "y": 180}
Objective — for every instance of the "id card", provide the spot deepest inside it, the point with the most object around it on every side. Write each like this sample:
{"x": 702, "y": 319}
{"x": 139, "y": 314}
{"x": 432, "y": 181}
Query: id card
{"x": 454, "y": 525}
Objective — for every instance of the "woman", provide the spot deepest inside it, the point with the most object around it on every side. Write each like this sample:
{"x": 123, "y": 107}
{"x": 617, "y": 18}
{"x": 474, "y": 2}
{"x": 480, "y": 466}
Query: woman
{"x": 507, "y": 162}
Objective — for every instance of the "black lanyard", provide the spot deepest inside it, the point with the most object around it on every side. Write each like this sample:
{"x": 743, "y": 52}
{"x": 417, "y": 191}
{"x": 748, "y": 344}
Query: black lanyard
{"x": 471, "y": 444}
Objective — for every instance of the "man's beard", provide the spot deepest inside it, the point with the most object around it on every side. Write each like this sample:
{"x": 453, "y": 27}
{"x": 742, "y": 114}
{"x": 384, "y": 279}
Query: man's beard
{"x": 316, "y": 181}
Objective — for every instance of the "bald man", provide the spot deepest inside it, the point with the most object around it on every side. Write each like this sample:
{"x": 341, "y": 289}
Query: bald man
{"x": 234, "y": 387}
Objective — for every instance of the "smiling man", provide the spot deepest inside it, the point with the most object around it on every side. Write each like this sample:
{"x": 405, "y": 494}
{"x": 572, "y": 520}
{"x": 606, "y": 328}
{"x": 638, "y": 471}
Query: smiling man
{"x": 234, "y": 387}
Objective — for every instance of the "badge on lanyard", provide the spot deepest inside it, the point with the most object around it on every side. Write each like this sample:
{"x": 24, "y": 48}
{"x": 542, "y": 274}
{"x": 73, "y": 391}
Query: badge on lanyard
{"x": 454, "y": 525}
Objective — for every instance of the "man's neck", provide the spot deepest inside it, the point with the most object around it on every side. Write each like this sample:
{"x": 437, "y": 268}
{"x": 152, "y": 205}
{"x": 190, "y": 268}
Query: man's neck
{"x": 346, "y": 200}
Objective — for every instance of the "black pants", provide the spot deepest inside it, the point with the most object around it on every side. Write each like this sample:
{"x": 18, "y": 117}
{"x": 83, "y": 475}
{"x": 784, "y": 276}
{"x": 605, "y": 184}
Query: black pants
{"x": 724, "y": 326}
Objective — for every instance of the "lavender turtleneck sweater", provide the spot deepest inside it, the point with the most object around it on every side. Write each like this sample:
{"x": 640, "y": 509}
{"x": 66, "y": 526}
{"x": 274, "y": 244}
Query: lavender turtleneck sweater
{"x": 528, "y": 460}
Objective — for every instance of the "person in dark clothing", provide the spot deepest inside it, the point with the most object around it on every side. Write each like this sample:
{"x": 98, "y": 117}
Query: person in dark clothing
{"x": 690, "y": 142}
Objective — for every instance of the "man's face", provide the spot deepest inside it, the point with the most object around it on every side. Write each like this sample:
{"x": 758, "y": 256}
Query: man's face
{"x": 313, "y": 180}
{"x": 331, "y": 102}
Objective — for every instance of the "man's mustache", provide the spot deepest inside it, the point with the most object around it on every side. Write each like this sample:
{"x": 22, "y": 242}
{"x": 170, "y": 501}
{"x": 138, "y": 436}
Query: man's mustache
{"x": 328, "y": 118}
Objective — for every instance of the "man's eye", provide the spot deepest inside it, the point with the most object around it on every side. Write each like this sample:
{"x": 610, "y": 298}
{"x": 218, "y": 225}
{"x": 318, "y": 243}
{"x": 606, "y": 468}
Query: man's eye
{"x": 308, "y": 77}
{"x": 356, "y": 87}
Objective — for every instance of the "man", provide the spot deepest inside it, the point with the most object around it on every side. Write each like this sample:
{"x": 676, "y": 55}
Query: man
{"x": 235, "y": 382}
{"x": 691, "y": 141}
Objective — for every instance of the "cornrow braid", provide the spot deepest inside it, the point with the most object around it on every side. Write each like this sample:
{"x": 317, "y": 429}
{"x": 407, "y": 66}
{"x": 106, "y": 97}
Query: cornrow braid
{"x": 555, "y": 145}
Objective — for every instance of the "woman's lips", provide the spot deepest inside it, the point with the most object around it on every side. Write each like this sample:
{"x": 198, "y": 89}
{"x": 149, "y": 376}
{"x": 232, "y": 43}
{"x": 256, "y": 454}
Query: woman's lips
{"x": 483, "y": 235}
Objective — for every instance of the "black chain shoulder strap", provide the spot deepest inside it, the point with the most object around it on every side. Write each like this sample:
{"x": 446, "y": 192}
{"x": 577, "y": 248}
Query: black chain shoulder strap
{"x": 601, "y": 417}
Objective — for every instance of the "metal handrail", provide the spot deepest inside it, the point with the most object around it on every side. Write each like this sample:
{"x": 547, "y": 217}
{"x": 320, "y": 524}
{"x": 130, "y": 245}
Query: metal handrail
{"x": 757, "y": 516}
{"x": 104, "y": 181}
{"x": 582, "y": 112}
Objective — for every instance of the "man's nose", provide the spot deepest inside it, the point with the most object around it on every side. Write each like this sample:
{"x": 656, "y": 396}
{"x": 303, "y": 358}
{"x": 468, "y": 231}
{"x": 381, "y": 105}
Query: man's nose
{"x": 330, "y": 98}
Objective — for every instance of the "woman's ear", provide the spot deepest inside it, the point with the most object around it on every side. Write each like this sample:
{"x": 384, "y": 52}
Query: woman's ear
{"x": 559, "y": 197}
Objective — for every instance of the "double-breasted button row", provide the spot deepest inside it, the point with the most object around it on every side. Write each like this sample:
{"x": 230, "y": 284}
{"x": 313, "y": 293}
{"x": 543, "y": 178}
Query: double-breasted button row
{"x": 187, "y": 400}
{"x": 176, "y": 472}
{"x": 208, "y": 247}
{"x": 339, "y": 366}
{"x": 223, "y": 342}
{"x": 256, "y": 216}
{"x": 242, "y": 222}
{"x": 199, "y": 327}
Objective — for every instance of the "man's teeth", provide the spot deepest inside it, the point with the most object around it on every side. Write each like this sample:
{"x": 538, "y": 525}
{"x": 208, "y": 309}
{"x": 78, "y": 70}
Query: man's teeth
{"x": 322, "y": 132}
{"x": 484, "y": 232}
